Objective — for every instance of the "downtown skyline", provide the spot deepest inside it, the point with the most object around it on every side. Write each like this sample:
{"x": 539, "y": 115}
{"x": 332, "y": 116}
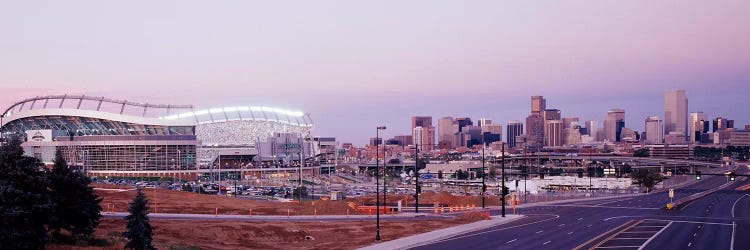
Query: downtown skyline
{"x": 385, "y": 64}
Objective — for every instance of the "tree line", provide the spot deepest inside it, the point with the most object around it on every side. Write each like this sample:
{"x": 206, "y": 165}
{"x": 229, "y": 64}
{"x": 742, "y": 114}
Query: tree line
{"x": 40, "y": 205}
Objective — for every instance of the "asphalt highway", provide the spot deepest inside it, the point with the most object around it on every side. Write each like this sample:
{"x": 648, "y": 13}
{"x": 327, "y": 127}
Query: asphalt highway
{"x": 712, "y": 222}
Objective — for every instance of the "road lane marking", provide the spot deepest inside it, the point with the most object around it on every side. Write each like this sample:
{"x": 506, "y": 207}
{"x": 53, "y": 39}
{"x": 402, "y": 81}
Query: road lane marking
{"x": 690, "y": 244}
{"x": 589, "y": 225}
{"x": 545, "y": 243}
{"x": 540, "y": 231}
{"x": 616, "y": 247}
{"x": 500, "y": 229}
{"x": 580, "y": 218}
{"x": 654, "y": 236}
{"x": 561, "y": 225}
{"x": 570, "y": 232}
{"x": 735, "y": 203}
{"x": 511, "y": 241}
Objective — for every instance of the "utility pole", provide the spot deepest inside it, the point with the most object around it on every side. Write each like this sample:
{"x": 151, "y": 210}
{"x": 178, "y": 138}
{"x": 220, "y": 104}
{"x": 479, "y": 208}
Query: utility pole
{"x": 377, "y": 183}
{"x": 484, "y": 186}
{"x": 502, "y": 193}
{"x": 416, "y": 179}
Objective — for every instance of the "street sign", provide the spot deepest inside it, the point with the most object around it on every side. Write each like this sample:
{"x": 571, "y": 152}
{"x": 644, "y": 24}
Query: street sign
{"x": 671, "y": 193}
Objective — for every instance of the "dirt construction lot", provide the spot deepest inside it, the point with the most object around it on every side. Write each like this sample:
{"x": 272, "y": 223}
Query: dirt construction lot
{"x": 169, "y": 234}
{"x": 169, "y": 201}
{"x": 197, "y": 234}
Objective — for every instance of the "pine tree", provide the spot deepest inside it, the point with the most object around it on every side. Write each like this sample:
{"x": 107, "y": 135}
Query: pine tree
{"x": 139, "y": 230}
{"x": 75, "y": 205}
{"x": 24, "y": 199}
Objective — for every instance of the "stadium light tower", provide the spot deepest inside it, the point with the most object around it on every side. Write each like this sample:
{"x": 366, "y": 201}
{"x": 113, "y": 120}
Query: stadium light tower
{"x": 377, "y": 182}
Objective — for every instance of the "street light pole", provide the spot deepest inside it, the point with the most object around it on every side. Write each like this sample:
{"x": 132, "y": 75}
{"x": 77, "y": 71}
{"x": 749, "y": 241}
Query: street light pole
{"x": 377, "y": 182}
{"x": 385, "y": 179}
{"x": 416, "y": 178}
{"x": 502, "y": 194}
{"x": 484, "y": 186}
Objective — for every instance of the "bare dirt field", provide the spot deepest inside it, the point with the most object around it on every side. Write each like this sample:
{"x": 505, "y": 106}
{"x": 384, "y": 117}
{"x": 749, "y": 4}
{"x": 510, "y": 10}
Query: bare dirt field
{"x": 210, "y": 234}
{"x": 169, "y": 201}
{"x": 187, "y": 234}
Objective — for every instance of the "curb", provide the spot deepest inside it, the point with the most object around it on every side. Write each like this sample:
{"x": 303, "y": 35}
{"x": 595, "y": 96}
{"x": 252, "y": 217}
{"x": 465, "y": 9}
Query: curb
{"x": 430, "y": 237}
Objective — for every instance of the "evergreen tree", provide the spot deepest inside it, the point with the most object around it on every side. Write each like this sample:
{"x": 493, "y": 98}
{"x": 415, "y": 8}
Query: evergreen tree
{"x": 139, "y": 230}
{"x": 24, "y": 199}
{"x": 75, "y": 205}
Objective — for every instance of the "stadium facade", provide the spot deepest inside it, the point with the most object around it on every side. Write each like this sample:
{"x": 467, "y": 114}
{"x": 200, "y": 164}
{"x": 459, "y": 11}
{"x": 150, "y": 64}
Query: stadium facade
{"x": 107, "y": 136}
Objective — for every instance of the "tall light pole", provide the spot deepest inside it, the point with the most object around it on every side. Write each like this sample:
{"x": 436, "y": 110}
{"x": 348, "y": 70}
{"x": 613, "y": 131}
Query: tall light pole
{"x": 417, "y": 189}
{"x": 502, "y": 192}
{"x": 377, "y": 182}
{"x": 484, "y": 186}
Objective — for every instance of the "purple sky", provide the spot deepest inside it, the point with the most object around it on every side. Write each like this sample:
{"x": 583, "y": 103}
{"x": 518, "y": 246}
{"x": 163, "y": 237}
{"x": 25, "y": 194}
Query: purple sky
{"x": 356, "y": 65}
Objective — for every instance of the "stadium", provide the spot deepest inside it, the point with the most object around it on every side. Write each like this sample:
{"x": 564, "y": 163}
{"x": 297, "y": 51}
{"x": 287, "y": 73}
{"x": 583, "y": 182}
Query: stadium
{"x": 106, "y": 136}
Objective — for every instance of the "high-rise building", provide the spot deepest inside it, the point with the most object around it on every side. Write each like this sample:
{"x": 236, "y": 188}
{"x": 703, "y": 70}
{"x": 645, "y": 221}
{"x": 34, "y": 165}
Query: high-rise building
{"x": 421, "y": 121}
{"x": 551, "y": 114}
{"x": 535, "y": 127}
{"x": 654, "y": 130}
{"x": 591, "y": 128}
{"x": 572, "y": 135}
{"x": 538, "y": 104}
{"x": 404, "y": 140}
{"x": 427, "y": 138}
{"x": 613, "y": 124}
{"x": 721, "y": 123}
{"x": 492, "y": 133}
{"x": 492, "y": 129}
{"x": 416, "y": 135}
{"x": 553, "y": 131}
{"x": 463, "y": 122}
{"x": 484, "y": 122}
{"x": 376, "y": 141}
{"x": 698, "y": 125}
{"x": 569, "y": 122}
{"x": 475, "y": 135}
{"x": 446, "y": 130}
{"x": 514, "y": 129}
{"x": 675, "y": 112}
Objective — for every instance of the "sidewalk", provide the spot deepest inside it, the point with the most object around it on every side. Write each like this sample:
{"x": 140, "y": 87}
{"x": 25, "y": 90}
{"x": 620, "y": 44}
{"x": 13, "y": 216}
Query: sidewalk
{"x": 427, "y": 238}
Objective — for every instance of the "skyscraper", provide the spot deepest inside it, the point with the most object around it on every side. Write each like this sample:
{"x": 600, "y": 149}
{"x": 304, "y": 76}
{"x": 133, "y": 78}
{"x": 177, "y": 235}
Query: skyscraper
{"x": 675, "y": 112}
{"x": 417, "y": 135}
{"x": 551, "y": 114}
{"x": 446, "y": 130}
{"x": 591, "y": 128}
{"x": 613, "y": 124}
{"x": 427, "y": 138}
{"x": 484, "y": 122}
{"x": 514, "y": 129}
{"x": 569, "y": 122}
{"x": 538, "y": 104}
{"x": 721, "y": 123}
{"x": 654, "y": 130}
{"x": 421, "y": 121}
{"x": 698, "y": 123}
{"x": 535, "y": 127}
{"x": 492, "y": 133}
{"x": 553, "y": 132}
{"x": 463, "y": 122}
